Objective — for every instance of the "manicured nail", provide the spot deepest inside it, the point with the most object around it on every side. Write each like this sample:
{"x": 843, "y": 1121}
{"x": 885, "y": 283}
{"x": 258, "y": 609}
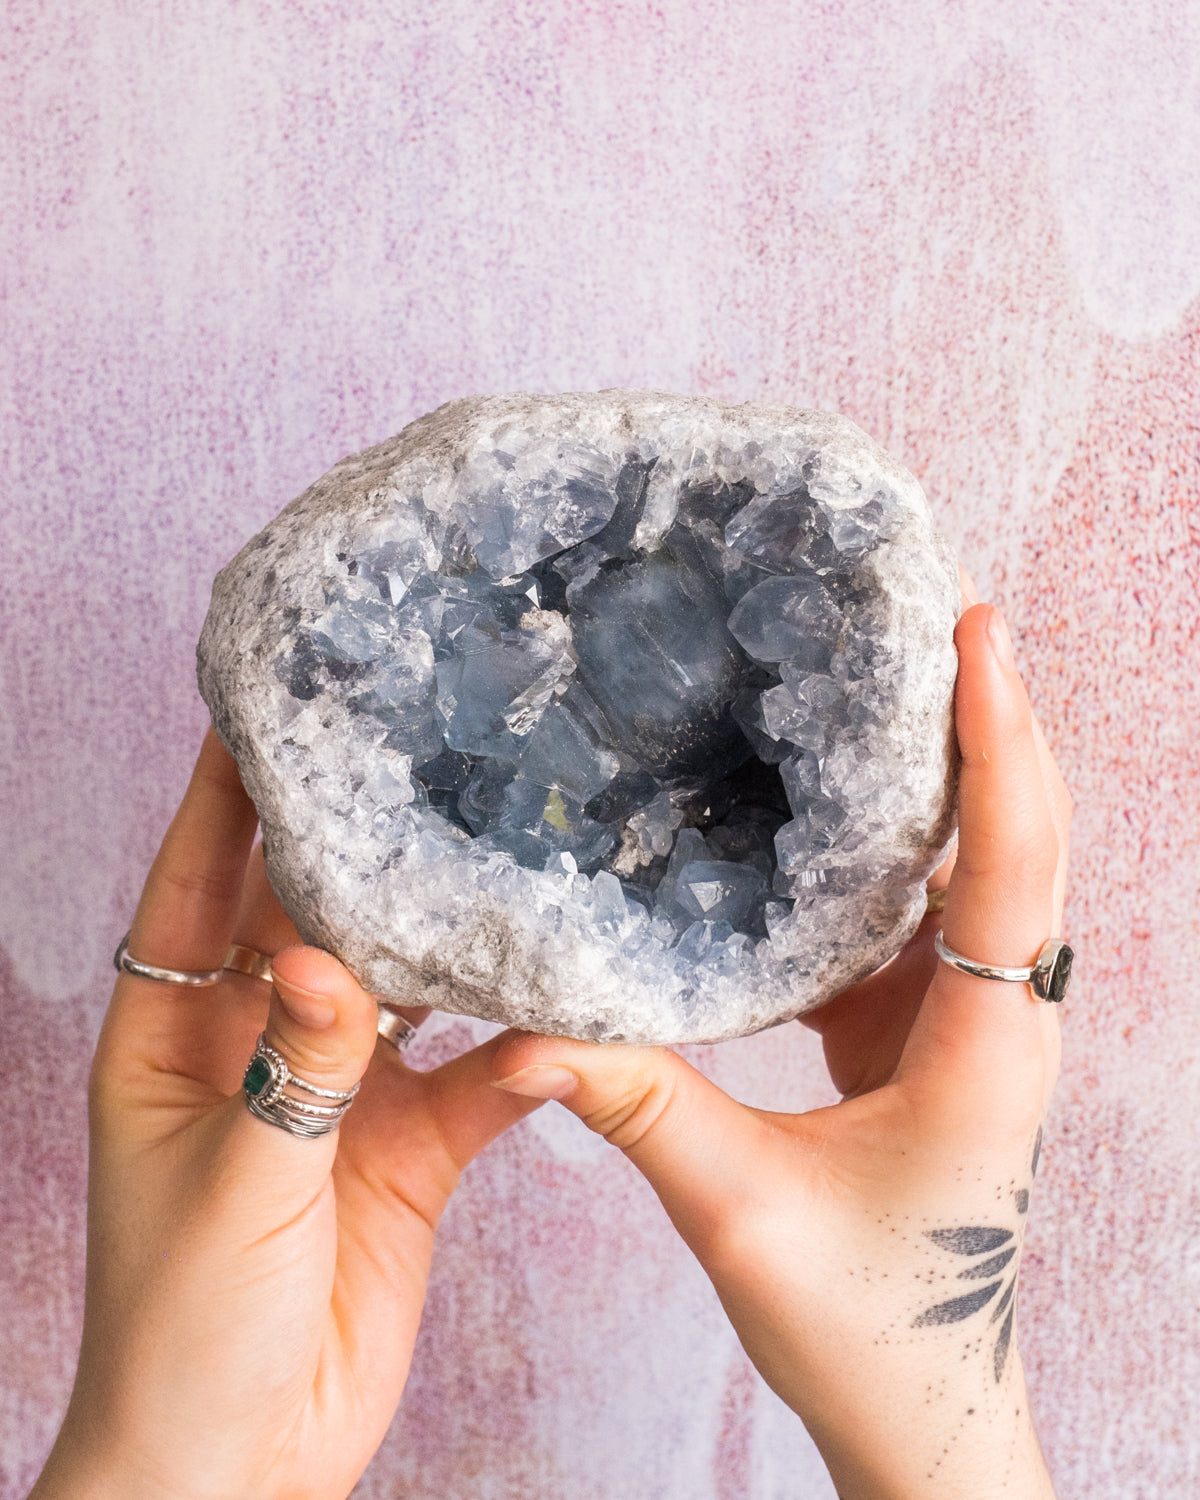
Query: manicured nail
{"x": 305, "y": 1008}
{"x": 1000, "y": 639}
{"x": 542, "y": 1081}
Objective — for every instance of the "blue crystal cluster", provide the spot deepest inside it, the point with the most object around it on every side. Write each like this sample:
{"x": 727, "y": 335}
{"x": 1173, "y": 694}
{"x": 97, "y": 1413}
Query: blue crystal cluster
{"x": 617, "y": 715}
{"x": 624, "y": 673}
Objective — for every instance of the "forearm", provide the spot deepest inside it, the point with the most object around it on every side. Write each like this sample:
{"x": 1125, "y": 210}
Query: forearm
{"x": 82, "y": 1466}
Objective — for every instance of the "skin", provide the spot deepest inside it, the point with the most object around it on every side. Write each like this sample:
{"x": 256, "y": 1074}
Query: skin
{"x": 253, "y": 1299}
{"x": 831, "y": 1236}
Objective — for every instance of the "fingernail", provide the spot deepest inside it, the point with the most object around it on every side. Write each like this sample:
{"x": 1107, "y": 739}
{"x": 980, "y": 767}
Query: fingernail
{"x": 305, "y": 1008}
{"x": 542, "y": 1081}
{"x": 1000, "y": 639}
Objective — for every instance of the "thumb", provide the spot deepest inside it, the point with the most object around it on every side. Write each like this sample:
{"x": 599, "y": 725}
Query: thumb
{"x": 684, "y": 1134}
{"x": 322, "y": 1024}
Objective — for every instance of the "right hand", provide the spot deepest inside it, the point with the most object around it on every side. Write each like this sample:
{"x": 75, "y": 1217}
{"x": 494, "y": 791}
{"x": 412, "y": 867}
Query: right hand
{"x": 867, "y": 1253}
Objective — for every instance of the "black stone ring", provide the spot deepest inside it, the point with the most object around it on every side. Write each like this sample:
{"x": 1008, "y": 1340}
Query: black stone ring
{"x": 1048, "y": 977}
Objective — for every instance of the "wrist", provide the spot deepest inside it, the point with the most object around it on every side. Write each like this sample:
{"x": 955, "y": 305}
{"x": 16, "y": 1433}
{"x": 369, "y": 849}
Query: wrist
{"x": 932, "y": 1437}
{"x": 84, "y": 1464}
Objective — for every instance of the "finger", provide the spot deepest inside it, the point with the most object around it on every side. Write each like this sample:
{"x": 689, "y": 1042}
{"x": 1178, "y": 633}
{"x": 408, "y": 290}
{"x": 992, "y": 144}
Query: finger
{"x": 156, "y": 1032}
{"x": 688, "y": 1137}
{"x": 263, "y": 926}
{"x": 321, "y": 1019}
{"x": 322, "y": 1022}
{"x": 208, "y": 1034}
{"x": 1002, "y": 891}
{"x": 976, "y": 1037}
{"x": 1061, "y": 808}
{"x": 1061, "y": 805}
{"x": 186, "y": 914}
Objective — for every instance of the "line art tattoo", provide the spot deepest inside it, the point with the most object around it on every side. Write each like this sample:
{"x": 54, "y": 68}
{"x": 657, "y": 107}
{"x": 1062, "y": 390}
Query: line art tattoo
{"x": 994, "y": 1253}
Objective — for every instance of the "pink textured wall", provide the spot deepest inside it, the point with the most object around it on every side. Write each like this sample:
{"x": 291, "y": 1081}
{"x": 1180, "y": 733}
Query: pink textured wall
{"x": 241, "y": 241}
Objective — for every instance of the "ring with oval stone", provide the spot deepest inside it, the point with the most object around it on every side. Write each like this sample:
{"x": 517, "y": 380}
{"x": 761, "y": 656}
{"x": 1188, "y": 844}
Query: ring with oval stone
{"x": 266, "y": 1079}
{"x": 1048, "y": 976}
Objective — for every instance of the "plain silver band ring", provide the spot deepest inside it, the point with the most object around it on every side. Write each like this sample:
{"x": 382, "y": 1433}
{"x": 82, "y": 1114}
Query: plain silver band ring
{"x": 980, "y": 971}
{"x": 283, "y": 1114}
{"x": 240, "y": 958}
{"x": 194, "y": 978}
{"x": 394, "y": 1028}
{"x": 243, "y": 960}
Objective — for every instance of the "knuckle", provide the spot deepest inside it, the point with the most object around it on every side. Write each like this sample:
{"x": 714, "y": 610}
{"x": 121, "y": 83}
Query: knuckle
{"x": 310, "y": 1061}
{"x": 626, "y": 1118}
{"x": 1039, "y": 860}
{"x": 736, "y": 1243}
{"x": 1029, "y": 857}
{"x": 219, "y": 885}
{"x": 103, "y": 1089}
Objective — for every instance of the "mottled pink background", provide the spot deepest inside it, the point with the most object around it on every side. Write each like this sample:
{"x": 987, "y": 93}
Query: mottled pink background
{"x": 240, "y": 241}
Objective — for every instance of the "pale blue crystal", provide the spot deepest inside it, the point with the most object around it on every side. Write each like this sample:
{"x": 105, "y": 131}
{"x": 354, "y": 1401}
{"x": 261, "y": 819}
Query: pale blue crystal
{"x": 564, "y": 749}
{"x": 655, "y": 655}
{"x": 716, "y": 891}
{"x": 787, "y": 619}
{"x": 657, "y": 715}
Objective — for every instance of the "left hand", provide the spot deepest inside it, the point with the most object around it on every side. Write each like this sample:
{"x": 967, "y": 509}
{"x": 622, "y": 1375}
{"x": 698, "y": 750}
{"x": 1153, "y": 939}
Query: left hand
{"x": 868, "y": 1253}
{"x": 252, "y": 1298}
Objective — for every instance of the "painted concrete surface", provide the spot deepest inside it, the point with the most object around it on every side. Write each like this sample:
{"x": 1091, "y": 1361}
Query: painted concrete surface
{"x": 241, "y": 241}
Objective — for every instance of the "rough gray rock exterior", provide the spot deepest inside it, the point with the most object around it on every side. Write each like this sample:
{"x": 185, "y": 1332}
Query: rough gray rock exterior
{"x": 492, "y": 685}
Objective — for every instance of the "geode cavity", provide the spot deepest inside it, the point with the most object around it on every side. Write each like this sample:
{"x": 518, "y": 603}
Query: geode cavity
{"x": 622, "y": 716}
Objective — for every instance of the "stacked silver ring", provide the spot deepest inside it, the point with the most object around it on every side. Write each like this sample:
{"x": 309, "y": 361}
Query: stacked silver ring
{"x": 263, "y": 1087}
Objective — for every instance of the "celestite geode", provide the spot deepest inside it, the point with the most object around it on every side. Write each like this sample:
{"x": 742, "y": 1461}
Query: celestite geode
{"x": 622, "y": 716}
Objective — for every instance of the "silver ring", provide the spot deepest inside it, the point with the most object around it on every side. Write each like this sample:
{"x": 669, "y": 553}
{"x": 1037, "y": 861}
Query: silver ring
{"x": 240, "y": 959}
{"x": 197, "y": 978}
{"x": 393, "y": 1027}
{"x": 243, "y": 960}
{"x": 1049, "y": 976}
{"x": 266, "y": 1078}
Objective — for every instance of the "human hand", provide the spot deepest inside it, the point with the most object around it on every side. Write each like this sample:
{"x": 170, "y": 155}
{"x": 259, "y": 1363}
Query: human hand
{"x": 252, "y": 1298}
{"x": 867, "y": 1253}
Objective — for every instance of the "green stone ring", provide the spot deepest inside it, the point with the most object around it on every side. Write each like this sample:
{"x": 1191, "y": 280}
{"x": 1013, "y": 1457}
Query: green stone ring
{"x": 264, "y": 1088}
{"x": 258, "y": 1075}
